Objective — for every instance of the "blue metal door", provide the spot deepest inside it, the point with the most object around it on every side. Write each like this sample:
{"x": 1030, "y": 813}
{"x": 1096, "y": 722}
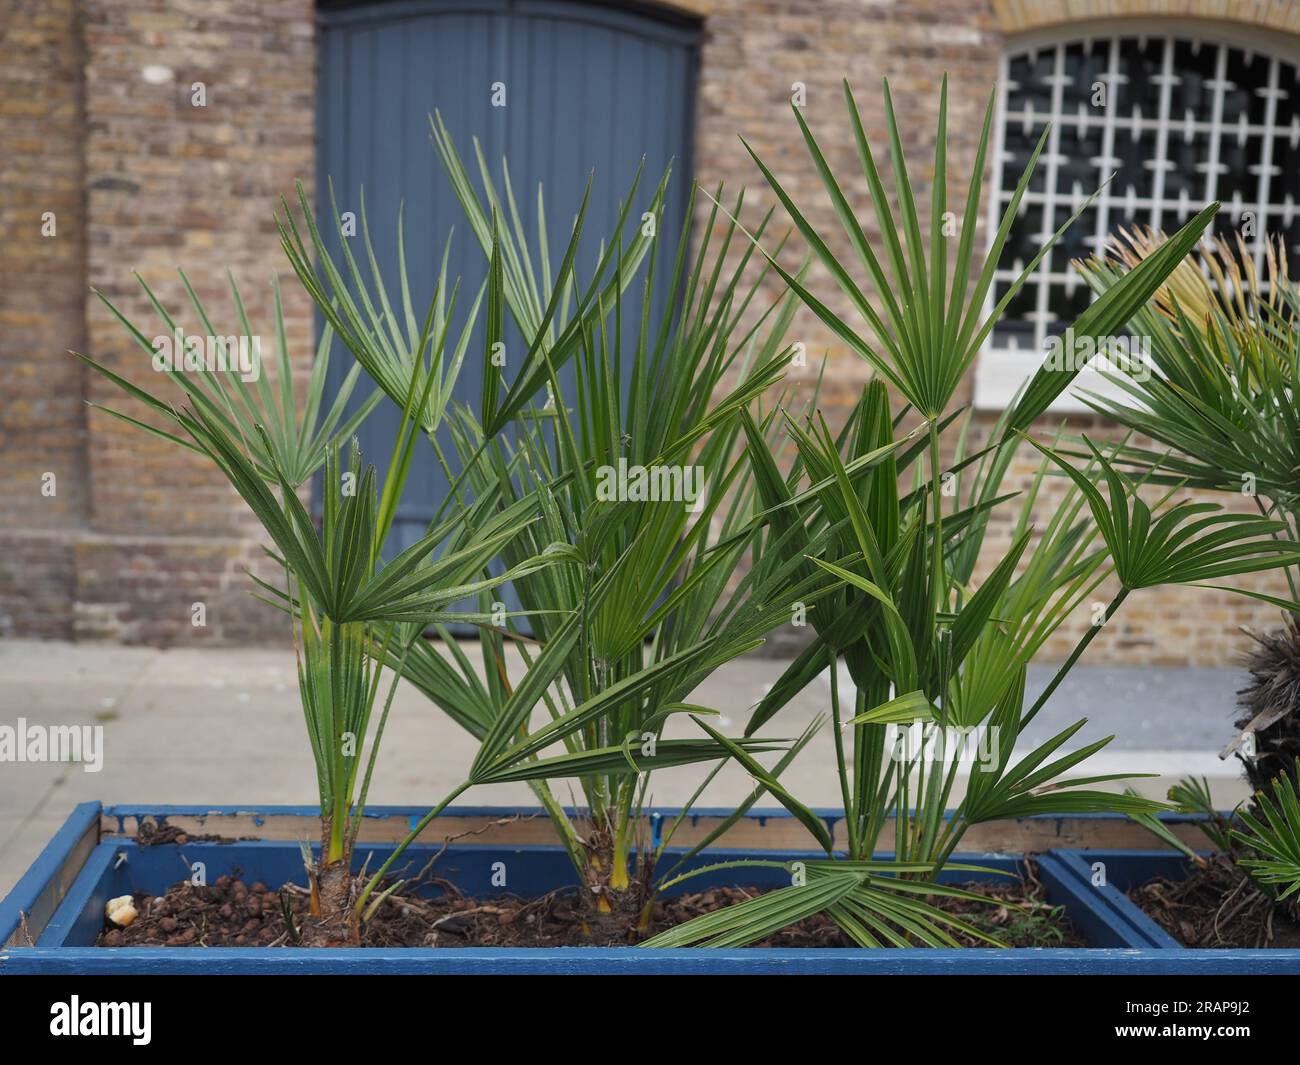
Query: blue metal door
{"x": 586, "y": 87}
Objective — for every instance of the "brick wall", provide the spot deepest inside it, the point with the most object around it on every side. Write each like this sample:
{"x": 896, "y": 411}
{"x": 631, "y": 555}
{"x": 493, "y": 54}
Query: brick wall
{"x": 98, "y": 127}
{"x": 101, "y": 127}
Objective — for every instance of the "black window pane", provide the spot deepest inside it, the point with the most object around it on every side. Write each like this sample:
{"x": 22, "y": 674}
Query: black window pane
{"x": 1136, "y": 151}
{"x": 1141, "y": 61}
{"x": 1239, "y": 173}
{"x": 1287, "y": 116}
{"x": 1085, "y": 67}
{"x": 1246, "y": 74}
{"x": 1074, "y": 243}
{"x": 1193, "y": 66}
{"x": 1015, "y": 330}
{"x": 1031, "y": 87}
{"x": 1081, "y": 167}
{"x": 1018, "y": 145}
{"x": 1186, "y": 175}
{"x": 1026, "y": 237}
{"x": 1067, "y": 303}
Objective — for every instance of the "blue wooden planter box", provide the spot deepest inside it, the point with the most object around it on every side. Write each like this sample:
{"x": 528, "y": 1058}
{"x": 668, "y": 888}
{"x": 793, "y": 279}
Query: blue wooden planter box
{"x": 59, "y": 903}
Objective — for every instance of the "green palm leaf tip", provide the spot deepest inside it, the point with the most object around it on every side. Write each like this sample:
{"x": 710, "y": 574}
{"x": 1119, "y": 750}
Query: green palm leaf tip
{"x": 1185, "y": 543}
{"x": 403, "y": 352}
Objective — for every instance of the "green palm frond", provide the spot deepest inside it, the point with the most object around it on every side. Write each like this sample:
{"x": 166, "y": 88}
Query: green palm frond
{"x": 286, "y": 437}
{"x": 1193, "y": 796}
{"x": 934, "y": 319}
{"x": 870, "y": 902}
{"x": 1273, "y": 833}
{"x": 551, "y": 309}
{"x": 1185, "y": 543}
{"x": 403, "y": 354}
{"x": 1218, "y": 392}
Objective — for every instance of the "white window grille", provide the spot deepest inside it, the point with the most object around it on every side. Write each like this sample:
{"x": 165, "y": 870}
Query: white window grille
{"x": 1180, "y": 121}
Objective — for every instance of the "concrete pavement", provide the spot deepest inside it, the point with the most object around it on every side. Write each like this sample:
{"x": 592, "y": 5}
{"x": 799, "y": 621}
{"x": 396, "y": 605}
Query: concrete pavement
{"x": 224, "y": 726}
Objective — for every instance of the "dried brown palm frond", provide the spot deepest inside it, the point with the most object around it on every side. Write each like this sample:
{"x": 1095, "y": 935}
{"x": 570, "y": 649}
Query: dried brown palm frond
{"x": 1270, "y": 705}
{"x": 1219, "y": 278}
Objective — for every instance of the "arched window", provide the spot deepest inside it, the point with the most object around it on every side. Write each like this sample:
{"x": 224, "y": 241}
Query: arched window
{"x": 1180, "y": 118}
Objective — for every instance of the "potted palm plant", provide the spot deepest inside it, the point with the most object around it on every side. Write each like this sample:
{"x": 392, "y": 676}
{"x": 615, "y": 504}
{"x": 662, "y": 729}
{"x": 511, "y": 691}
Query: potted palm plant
{"x": 352, "y": 613}
{"x": 348, "y": 609}
{"x": 922, "y": 651}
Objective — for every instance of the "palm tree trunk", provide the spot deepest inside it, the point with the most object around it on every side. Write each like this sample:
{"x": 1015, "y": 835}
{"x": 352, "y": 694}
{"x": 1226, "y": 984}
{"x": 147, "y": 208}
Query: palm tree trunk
{"x": 333, "y": 921}
{"x": 612, "y": 901}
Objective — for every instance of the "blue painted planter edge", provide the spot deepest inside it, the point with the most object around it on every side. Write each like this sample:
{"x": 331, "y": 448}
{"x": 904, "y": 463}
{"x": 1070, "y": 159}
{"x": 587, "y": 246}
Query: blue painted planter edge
{"x": 565, "y": 961}
{"x": 66, "y": 856}
{"x": 1136, "y": 867}
{"x": 122, "y": 810}
{"x": 37, "y": 893}
{"x": 1078, "y": 864}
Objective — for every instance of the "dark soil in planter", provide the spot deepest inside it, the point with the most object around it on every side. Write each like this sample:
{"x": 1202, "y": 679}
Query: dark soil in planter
{"x": 153, "y": 834}
{"x": 1218, "y": 906}
{"x": 231, "y": 913}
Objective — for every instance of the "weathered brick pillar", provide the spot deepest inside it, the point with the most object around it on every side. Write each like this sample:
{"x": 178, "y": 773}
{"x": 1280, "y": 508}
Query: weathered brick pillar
{"x": 106, "y": 125}
{"x": 43, "y": 479}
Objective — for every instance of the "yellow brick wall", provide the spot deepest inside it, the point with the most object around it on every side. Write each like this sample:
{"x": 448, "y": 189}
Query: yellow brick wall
{"x": 139, "y": 179}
